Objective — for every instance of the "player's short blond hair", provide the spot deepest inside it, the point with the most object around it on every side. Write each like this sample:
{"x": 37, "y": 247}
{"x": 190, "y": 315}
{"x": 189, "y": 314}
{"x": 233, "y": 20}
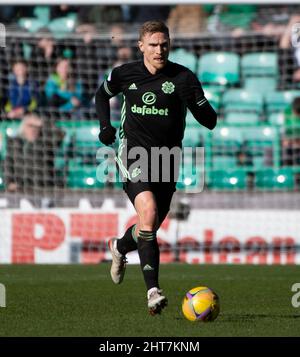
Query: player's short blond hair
{"x": 152, "y": 27}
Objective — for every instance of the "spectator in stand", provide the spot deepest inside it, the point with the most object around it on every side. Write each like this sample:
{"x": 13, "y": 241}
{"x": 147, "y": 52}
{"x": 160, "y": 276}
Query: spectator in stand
{"x": 3, "y": 81}
{"x": 290, "y": 54}
{"x": 142, "y": 13}
{"x": 44, "y": 55}
{"x": 291, "y": 135}
{"x": 8, "y": 13}
{"x": 187, "y": 19}
{"x": 22, "y": 91}
{"x": 124, "y": 55}
{"x": 62, "y": 11}
{"x": 63, "y": 91}
{"x": 29, "y": 163}
{"x": 100, "y": 14}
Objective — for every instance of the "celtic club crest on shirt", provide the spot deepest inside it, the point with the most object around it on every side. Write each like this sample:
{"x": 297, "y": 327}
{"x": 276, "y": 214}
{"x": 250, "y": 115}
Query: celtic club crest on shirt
{"x": 168, "y": 87}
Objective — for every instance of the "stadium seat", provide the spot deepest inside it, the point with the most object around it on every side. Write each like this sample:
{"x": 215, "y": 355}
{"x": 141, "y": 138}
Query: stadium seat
{"x": 275, "y": 179}
{"x": 262, "y": 133}
{"x": 86, "y": 134}
{"x": 226, "y": 140}
{"x": 260, "y": 84}
{"x": 259, "y": 162}
{"x": 238, "y": 16}
{"x": 31, "y": 24}
{"x": 2, "y": 141}
{"x": 85, "y": 142}
{"x": 191, "y": 177}
{"x": 223, "y": 162}
{"x": 220, "y": 68}
{"x": 184, "y": 58}
{"x": 1, "y": 180}
{"x": 109, "y": 177}
{"x": 213, "y": 95}
{"x": 42, "y": 13}
{"x": 241, "y": 118}
{"x": 241, "y": 100}
{"x": 262, "y": 143}
{"x": 190, "y": 120}
{"x": 260, "y": 71}
{"x": 83, "y": 177}
{"x": 193, "y": 136}
{"x": 276, "y": 118}
{"x": 279, "y": 101}
{"x": 62, "y": 25}
{"x": 259, "y": 64}
{"x": 228, "y": 180}
{"x": 92, "y": 176}
{"x": 12, "y": 127}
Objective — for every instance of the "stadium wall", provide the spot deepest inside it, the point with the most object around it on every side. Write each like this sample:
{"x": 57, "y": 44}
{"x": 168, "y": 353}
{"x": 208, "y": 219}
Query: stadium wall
{"x": 63, "y": 236}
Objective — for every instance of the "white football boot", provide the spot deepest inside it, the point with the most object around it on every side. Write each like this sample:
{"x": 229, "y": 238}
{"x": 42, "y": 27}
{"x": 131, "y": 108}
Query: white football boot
{"x": 156, "y": 301}
{"x": 119, "y": 261}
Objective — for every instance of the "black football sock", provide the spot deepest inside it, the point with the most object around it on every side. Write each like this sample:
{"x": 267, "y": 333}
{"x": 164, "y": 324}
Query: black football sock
{"x": 128, "y": 242}
{"x": 149, "y": 257}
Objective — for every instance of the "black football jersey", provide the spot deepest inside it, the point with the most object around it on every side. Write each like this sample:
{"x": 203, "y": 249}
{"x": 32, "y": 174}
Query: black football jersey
{"x": 154, "y": 106}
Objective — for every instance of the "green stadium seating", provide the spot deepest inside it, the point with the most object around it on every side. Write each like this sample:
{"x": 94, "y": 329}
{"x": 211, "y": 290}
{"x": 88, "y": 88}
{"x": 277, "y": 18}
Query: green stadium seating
{"x": 80, "y": 143}
{"x": 213, "y": 95}
{"x": 193, "y": 136}
{"x": 220, "y": 68}
{"x": 12, "y": 127}
{"x": 226, "y": 140}
{"x": 259, "y": 162}
{"x": 259, "y": 64}
{"x": 62, "y": 25}
{"x": 65, "y": 152}
{"x": 8, "y": 128}
{"x": 242, "y": 101}
{"x": 224, "y": 133}
{"x": 262, "y": 143}
{"x": 92, "y": 176}
{"x": 276, "y": 118}
{"x": 184, "y": 58}
{"x": 1, "y": 180}
{"x": 83, "y": 133}
{"x": 2, "y": 141}
{"x": 260, "y": 84}
{"x": 275, "y": 179}
{"x": 262, "y": 133}
{"x": 87, "y": 134}
{"x": 83, "y": 177}
{"x": 42, "y": 13}
{"x": 279, "y": 101}
{"x": 31, "y": 24}
{"x": 191, "y": 177}
{"x": 238, "y": 16}
{"x": 233, "y": 20}
{"x": 223, "y": 162}
{"x": 231, "y": 180}
{"x": 260, "y": 71}
{"x": 241, "y": 118}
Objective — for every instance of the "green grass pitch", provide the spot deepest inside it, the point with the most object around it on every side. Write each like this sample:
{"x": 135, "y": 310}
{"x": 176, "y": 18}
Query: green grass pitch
{"x": 77, "y": 300}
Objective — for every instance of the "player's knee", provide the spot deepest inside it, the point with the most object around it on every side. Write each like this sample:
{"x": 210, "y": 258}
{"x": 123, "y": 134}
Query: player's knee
{"x": 148, "y": 217}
